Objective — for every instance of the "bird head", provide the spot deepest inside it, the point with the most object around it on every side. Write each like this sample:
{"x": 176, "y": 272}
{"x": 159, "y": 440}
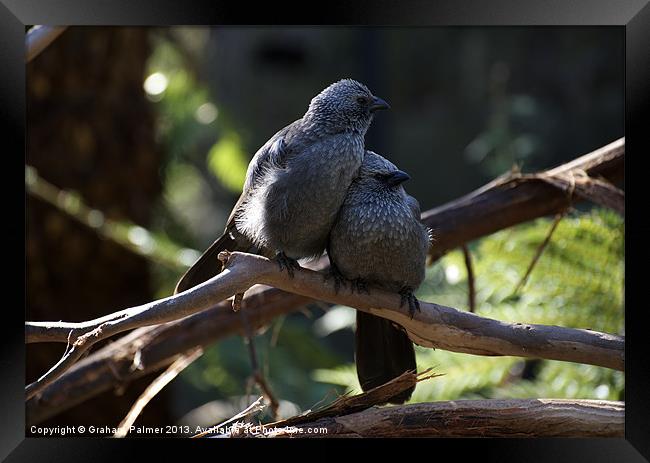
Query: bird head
{"x": 346, "y": 104}
{"x": 380, "y": 173}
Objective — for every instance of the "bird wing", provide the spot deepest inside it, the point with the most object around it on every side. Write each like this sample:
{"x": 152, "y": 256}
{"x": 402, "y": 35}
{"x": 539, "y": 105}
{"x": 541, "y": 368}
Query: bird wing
{"x": 414, "y": 205}
{"x": 273, "y": 154}
{"x": 427, "y": 232}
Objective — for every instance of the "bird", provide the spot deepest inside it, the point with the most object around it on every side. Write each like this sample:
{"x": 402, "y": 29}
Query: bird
{"x": 296, "y": 182}
{"x": 378, "y": 239}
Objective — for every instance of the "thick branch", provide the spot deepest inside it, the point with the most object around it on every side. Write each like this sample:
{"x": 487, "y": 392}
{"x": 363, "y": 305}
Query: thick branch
{"x": 515, "y": 199}
{"x": 114, "y": 366}
{"x": 81, "y": 336}
{"x": 477, "y": 418}
{"x": 434, "y": 326}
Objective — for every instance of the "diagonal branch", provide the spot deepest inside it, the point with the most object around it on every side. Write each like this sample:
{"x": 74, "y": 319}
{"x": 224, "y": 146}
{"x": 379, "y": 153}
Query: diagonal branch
{"x": 538, "y": 252}
{"x": 84, "y": 335}
{"x": 154, "y": 388}
{"x": 516, "y": 198}
{"x": 348, "y": 404}
{"x": 155, "y": 347}
{"x": 257, "y": 376}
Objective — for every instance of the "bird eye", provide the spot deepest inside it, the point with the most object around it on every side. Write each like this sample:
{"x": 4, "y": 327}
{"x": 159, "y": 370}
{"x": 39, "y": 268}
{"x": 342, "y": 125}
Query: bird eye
{"x": 361, "y": 100}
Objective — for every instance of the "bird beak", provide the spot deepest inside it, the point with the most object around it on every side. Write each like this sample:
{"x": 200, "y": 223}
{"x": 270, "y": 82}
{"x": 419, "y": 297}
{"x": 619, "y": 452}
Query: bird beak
{"x": 398, "y": 177}
{"x": 378, "y": 103}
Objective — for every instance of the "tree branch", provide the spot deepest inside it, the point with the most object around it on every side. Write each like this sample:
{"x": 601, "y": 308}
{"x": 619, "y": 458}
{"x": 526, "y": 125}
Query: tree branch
{"x": 154, "y": 388}
{"x": 500, "y": 204}
{"x": 348, "y": 404}
{"x": 434, "y": 326}
{"x": 518, "y": 198}
{"x": 114, "y": 365}
{"x": 476, "y": 418}
{"x": 538, "y": 252}
{"x": 257, "y": 376}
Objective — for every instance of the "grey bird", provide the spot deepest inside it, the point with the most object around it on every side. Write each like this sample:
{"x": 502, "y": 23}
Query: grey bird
{"x": 296, "y": 183}
{"x": 378, "y": 239}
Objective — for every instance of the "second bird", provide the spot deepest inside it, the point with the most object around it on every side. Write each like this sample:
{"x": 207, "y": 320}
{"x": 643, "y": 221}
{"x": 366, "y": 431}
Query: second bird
{"x": 378, "y": 239}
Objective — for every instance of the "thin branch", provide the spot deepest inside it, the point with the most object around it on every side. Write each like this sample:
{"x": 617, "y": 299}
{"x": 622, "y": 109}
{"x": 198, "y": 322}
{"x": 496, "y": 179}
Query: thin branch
{"x": 474, "y": 418}
{"x": 257, "y": 375}
{"x": 471, "y": 291}
{"x": 277, "y": 327}
{"x": 344, "y": 405}
{"x": 75, "y": 208}
{"x": 252, "y": 408}
{"x": 39, "y": 38}
{"x": 538, "y": 252}
{"x": 154, "y": 388}
{"x": 347, "y": 404}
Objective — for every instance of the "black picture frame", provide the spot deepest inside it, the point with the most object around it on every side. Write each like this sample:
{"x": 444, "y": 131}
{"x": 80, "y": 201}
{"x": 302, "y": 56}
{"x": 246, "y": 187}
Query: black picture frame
{"x": 633, "y": 15}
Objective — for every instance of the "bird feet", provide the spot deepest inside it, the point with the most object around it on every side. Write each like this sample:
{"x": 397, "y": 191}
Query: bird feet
{"x": 407, "y": 296}
{"x": 285, "y": 262}
{"x": 335, "y": 274}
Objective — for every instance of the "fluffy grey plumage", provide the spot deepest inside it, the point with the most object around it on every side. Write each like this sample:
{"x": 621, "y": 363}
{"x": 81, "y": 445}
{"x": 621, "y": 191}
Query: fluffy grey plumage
{"x": 378, "y": 236}
{"x": 378, "y": 239}
{"x": 296, "y": 182}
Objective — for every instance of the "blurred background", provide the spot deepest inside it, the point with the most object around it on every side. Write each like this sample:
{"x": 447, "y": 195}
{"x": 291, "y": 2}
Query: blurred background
{"x": 137, "y": 146}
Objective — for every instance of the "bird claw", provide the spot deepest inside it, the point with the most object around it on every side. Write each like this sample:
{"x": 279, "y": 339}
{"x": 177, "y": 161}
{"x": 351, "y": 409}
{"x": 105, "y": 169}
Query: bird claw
{"x": 285, "y": 262}
{"x": 360, "y": 285}
{"x": 406, "y": 294}
{"x": 337, "y": 276}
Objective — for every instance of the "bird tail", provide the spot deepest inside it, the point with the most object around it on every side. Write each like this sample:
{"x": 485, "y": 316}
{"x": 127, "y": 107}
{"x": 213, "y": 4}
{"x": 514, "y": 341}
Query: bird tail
{"x": 383, "y": 352}
{"x": 208, "y": 265}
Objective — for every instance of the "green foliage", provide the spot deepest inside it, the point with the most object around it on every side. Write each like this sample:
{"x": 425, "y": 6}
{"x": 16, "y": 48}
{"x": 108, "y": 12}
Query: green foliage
{"x": 176, "y": 126}
{"x": 228, "y": 162}
{"x": 287, "y": 353}
{"x": 567, "y": 380}
{"x": 156, "y": 246}
{"x": 205, "y": 164}
{"x": 577, "y": 282}
{"x": 182, "y": 125}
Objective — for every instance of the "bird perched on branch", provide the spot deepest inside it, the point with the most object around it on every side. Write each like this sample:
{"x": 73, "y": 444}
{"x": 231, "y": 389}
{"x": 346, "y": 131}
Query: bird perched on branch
{"x": 378, "y": 239}
{"x": 296, "y": 183}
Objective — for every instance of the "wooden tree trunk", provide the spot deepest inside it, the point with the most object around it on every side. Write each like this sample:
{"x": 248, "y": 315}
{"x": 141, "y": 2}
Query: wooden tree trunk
{"x": 89, "y": 129}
